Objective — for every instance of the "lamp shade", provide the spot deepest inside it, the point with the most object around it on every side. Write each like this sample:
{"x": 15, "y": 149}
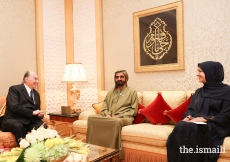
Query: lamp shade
{"x": 74, "y": 72}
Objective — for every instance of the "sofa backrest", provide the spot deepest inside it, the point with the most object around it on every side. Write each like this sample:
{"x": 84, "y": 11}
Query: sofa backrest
{"x": 189, "y": 93}
{"x": 173, "y": 98}
{"x": 102, "y": 95}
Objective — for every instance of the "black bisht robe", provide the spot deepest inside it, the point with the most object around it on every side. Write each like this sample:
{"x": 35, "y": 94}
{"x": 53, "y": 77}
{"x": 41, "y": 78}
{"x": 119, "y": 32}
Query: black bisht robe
{"x": 211, "y": 102}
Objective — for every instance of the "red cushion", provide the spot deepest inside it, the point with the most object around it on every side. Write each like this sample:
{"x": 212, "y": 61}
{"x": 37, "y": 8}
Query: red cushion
{"x": 177, "y": 114}
{"x": 154, "y": 111}
{"x": 139, "y": 118}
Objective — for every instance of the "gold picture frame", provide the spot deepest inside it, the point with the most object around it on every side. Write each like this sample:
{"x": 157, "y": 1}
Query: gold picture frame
{"x": 158, "y": 38}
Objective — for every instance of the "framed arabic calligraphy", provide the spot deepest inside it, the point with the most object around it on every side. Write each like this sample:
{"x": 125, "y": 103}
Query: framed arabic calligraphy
{"x": 158, "y": 38}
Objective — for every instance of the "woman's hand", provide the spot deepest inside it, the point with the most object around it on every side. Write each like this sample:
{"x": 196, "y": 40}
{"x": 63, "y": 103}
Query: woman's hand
{"x": 198, "y": 119}
{"x": 187, "y": 118}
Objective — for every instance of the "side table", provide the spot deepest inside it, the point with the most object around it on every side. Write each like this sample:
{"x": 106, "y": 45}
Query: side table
{"x": 63, "y": 122}
{"x": 58, "y": 116}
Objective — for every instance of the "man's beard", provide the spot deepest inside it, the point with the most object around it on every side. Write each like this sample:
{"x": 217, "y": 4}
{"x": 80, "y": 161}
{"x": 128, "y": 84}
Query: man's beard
{"x": 120, "y": 83}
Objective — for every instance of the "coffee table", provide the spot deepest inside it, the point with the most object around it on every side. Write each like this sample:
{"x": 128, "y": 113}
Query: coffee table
{"x": 100, "y": 154}
{"x": 97, "y": 154}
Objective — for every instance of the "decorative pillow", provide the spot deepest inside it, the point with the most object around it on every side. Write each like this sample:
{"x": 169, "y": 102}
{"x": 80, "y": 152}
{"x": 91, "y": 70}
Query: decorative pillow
{"x": 2, "y": 107}
{"x": 2, "y": 110}
{"x": 177, "y": 114}
{"x": 2, "y": 101}
{"x": 139, "y": 118}
{"x": 86, "y": 113}
{"x": 154, "y": 111}
{"x": 97, "y": 107}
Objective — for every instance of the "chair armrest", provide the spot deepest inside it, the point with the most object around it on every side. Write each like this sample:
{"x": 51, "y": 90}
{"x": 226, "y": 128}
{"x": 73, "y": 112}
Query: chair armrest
{"x": 85, "y": 114}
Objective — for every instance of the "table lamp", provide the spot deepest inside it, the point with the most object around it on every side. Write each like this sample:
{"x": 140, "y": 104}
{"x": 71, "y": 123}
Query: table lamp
{"x": 74, "y": 72}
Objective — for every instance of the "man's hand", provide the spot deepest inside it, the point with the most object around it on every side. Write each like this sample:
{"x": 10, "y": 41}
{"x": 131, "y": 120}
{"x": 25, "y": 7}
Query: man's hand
{"x": 38, "y": 113}
{"x": 139, "y": 111}
{"x": 116, "y": 116}
{"x": 41, "y": 114}
{"x": 108, "y": 116}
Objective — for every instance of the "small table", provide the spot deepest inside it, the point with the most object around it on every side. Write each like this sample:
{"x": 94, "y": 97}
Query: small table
{"x": 100, "y": 154}
{"x": 63, "y": 122}
{"x": 58, "y": 116}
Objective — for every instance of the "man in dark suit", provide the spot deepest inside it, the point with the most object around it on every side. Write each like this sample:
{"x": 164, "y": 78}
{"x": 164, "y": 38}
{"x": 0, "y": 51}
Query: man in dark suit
{"x": 23, "y": 107}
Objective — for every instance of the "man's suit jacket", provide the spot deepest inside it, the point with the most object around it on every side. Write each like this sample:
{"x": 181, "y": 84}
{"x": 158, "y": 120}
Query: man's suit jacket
{"x": 20, "y": 107}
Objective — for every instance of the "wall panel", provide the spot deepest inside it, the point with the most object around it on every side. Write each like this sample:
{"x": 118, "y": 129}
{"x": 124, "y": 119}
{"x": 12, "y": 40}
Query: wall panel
{"x": 85, "y": 49}
{"x": 54, "y": 54}
{"x": 17, "y": 41}
{"x": 206, "y": 35}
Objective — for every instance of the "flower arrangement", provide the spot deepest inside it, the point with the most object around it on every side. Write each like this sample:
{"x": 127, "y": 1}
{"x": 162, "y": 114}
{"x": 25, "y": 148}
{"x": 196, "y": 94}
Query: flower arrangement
{"x": 44, "y": 145}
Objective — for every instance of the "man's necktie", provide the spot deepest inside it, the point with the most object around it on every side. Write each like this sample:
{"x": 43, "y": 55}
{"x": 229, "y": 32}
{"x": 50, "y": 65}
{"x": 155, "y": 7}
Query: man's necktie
{"x": 31, "y": 95}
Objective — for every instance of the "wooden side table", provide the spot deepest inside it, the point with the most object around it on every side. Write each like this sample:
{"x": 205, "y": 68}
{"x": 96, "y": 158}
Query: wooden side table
{"x": 58, "y": 116}
{"x": 63, "y": 122}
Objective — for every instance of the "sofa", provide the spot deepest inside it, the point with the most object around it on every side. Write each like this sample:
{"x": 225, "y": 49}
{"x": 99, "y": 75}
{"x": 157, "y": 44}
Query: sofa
{"x": 145, "y": 142}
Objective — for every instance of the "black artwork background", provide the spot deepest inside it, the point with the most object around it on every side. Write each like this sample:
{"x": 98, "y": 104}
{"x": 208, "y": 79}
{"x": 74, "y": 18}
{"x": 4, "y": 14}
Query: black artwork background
{"x": 169, "y": 17}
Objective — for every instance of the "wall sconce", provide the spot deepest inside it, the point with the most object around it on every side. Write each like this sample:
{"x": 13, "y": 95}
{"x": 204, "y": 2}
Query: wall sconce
{"x": 74, "y": 72}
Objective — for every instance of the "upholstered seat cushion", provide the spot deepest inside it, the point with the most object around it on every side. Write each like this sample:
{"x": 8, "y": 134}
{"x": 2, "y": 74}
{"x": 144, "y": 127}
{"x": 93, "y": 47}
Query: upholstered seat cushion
{"x": 7, "y": 139}
{"x": 80, "y": 125}
{"x": 80, "y": 129}
{"x": 226, "y": 146}
{"x": 147, "y": 133}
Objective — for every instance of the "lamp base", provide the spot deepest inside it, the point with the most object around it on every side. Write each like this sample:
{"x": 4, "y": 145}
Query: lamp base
{"x": 65, "y": 110}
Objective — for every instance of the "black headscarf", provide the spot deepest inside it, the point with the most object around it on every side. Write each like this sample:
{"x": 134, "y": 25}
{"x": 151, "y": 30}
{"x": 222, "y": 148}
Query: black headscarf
{"x": 214, "y": 75}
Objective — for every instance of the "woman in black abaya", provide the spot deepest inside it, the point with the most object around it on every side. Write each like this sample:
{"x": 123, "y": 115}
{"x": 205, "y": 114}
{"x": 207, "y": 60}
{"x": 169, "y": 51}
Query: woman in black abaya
{"x": 210, "y": 109}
